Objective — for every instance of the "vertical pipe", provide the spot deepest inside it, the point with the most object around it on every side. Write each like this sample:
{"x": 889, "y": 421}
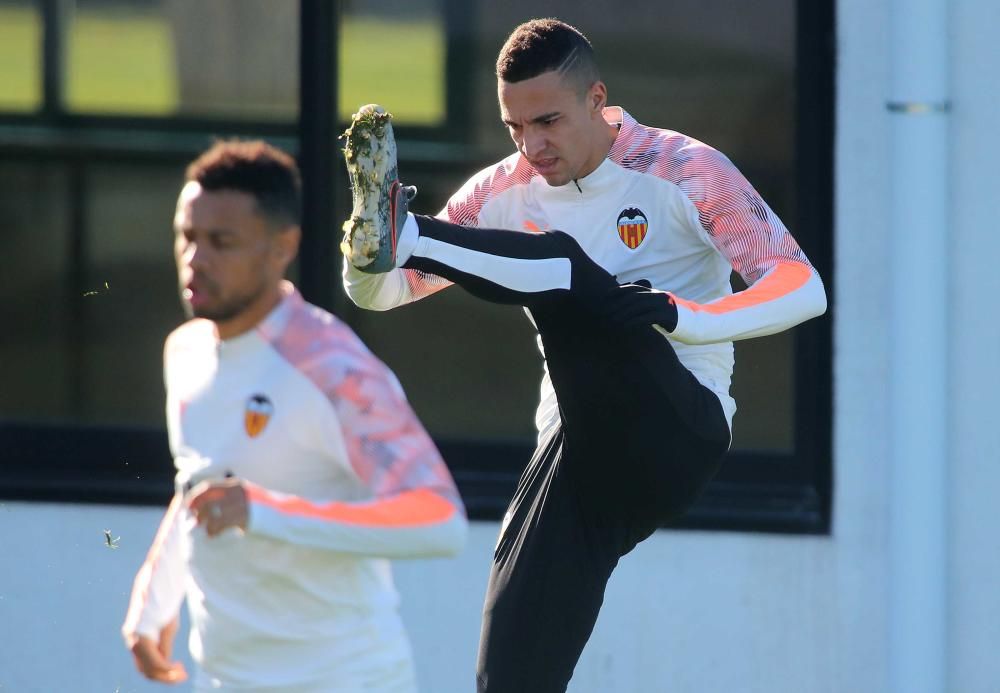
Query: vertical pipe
{"x": 319, "y": 153}
{"x": 815, "y": 59}
{"x": 53, "y": 30}
{"x": 918, "y": 111}
{"x": 79, "y": 326}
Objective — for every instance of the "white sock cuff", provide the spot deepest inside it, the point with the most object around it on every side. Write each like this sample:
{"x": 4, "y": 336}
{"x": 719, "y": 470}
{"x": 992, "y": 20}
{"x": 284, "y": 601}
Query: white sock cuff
{"x": 407, "y": 241}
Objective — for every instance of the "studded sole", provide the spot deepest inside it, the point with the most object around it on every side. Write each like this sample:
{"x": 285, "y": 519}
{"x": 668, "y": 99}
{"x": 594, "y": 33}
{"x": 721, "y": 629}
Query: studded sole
{"x": 370, "y": 155}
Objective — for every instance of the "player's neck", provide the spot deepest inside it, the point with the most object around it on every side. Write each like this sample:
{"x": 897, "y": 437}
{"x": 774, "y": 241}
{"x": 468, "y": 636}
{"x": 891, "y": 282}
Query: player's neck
{"x": 250, "y": 317}
{"x": 605, "y": 139}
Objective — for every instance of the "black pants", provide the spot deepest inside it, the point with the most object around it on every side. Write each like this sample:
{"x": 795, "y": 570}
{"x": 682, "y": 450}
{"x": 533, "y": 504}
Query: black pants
{"x": 639, "y": 438}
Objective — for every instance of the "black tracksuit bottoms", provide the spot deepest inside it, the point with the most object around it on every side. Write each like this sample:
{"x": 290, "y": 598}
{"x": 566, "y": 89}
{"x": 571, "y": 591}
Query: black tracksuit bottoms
{"x": 639, "y": 438}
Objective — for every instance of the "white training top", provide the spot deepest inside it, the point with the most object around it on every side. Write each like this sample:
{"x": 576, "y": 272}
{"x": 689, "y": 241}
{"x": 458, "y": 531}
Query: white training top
{"x": 661, "y": 207}
{"x": 340, "y": 476}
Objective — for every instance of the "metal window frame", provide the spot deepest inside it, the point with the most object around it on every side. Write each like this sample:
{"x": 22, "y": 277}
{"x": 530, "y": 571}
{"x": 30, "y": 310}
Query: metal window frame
{"x": 769, "y": 492}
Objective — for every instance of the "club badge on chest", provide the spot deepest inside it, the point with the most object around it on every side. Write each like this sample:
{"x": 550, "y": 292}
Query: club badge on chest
{"x": 632, "y": 227}
{"x": 257, "y": 413}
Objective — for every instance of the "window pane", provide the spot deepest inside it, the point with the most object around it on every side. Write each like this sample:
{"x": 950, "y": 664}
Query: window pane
{"x": 89, "y": 261}
{"x": 128, "y": 264}
{"x": 119, "y": 58}
{"x": 393, "y": 53}
{"x": 718, "y": 71}
{"x": 220, "y": 59}
{"x": 35, "y": 358}
{"x": 20, "y": 56}
{"x": 470, "y": 369}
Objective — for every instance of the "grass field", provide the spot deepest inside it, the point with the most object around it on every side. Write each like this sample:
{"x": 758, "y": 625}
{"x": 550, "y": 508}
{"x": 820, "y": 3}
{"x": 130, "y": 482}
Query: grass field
{"x": 400, "y": 65}
{"x": 121, "y": 63}
{"x": 20, "y": 59}
{"x": 125, "y": 63}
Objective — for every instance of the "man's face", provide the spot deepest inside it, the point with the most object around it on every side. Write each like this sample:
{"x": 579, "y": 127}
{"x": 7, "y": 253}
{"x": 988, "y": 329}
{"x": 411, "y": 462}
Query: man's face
{"x": 560, "y": 131}
{"x": 229, "y": 262}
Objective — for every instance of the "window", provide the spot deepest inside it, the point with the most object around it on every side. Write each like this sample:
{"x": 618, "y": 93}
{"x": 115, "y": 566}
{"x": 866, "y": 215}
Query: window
{"x": 752, "y": 80}
{"x": 93, "y": 276}
{"x": 119, "y": 58}
{"x": 20, "y": 56}
{"x": 393, "y": 53}
{"x": 234, "y": 59}
{"x": 97, "y": 126}
{"x": 719, "y": 72}
{"x": 107, "y": 102}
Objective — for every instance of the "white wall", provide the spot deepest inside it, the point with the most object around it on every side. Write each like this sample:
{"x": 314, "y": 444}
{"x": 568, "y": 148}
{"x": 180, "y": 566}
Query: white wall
{"x": 974, "y": 629}
{"x": 63, "y": 596}
{"x": 687, "y": 612}
{"x": 718, "y": 612}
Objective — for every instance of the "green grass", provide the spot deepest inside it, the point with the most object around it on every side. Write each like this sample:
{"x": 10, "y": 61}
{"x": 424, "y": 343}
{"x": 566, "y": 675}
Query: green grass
{"x": 398, "y": 65}
{"x": 20, "y": 59}
{"x": 121, "y": 63}
{"x": 124, "y": 63}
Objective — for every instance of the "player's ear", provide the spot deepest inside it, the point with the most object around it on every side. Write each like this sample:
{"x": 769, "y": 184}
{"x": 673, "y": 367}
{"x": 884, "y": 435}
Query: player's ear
{"x": 597, "y": 97}
{"x": 287, "y": 243}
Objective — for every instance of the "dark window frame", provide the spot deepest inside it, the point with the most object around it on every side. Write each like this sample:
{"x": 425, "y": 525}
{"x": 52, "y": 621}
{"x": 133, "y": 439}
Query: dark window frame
{"x": 755, "y": 491}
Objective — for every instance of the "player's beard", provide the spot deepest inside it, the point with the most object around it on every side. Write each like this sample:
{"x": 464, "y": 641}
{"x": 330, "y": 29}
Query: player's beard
{"x": 225, "y": 310}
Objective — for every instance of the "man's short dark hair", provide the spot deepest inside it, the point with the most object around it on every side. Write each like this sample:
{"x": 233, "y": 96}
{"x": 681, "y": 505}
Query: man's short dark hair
{"x": 544, "y": 45}
{"x": 257, "y": 168}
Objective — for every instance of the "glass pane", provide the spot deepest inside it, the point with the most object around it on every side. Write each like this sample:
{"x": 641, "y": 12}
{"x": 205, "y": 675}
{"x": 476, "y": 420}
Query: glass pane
{"x": 92, "y": 271}
{"x": 393, "y": 53}
{"x": 719, "y": 71}
{"x": 226, "y": 58}
{"x": 35, "y": 353}
{"x": 470, "y": 369}
{"x": 20, "y": 56}
{"x": 119, "y": 58}
{"x": 133, "y": 304}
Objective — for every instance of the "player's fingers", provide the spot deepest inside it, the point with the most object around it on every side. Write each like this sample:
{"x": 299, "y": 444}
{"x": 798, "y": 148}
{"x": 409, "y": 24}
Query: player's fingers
{"x": 172, "y": 673}
{"x": 153, "y": 665}
{"x": 175, "y": 673}
{"x": 167, "y": 672}
{"x": 167, "y": 635}
{"x": 203, "y": 493}
{"x": 207, "y": 506}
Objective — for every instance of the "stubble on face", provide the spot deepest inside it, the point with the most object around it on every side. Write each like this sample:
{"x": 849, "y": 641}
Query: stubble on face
{"x": 230, "y": 278}
{"x": 557, "y": 126}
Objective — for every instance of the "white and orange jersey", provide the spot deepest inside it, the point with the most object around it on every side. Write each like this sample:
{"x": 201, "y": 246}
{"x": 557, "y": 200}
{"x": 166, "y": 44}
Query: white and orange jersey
{"x": 661, "y": 207}
{"x": 341, "y": 476}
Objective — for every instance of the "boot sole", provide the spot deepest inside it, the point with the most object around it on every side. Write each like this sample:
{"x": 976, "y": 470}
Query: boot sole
{"x": 370, "y": 155}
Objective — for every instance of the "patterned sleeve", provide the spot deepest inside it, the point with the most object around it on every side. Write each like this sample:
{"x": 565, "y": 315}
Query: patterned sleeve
{"x": 783, "y": 287}
{"x": 413, "y": 508}
{"x": 391, "y": 289}
{"x": 402, "y": 286}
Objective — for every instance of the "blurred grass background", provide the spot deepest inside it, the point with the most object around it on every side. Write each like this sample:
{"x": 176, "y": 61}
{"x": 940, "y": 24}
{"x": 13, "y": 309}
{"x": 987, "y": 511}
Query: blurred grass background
{"x": 20, "y": 59}
{"x": 124, "y": 62}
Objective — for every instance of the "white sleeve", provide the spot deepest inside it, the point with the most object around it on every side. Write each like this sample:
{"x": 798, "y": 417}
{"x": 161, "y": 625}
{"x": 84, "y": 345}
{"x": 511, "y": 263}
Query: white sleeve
{"x": 783, "y": 287}
{"x": 389, "y": 290}
{"x": 401, "y": 286}
{"x": 158, "y": 589}
{"x": 789, "y": 293}
{"x": 413, "y": 508}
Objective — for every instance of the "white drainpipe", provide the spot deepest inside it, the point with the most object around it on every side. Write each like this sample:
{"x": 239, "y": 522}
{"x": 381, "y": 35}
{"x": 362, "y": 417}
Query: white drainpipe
{"x": 919, "y": 327}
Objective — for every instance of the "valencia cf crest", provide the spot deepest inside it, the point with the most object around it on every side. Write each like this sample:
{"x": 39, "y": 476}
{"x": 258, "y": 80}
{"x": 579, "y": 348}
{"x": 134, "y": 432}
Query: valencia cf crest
{"x": 256, "y": 415}
{"x": 632, "y": 227}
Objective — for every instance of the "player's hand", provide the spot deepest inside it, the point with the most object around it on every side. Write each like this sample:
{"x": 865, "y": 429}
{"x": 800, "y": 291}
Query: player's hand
{"x": 639, "y": 305}
{"x": 152, "y": 658}
{"x": 219, "y": 505}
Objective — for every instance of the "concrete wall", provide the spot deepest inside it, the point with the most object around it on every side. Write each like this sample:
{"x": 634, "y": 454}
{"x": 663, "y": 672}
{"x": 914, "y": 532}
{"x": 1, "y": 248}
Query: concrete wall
{"x": 974, "y": 596}
{"x": 687, "y": 612}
